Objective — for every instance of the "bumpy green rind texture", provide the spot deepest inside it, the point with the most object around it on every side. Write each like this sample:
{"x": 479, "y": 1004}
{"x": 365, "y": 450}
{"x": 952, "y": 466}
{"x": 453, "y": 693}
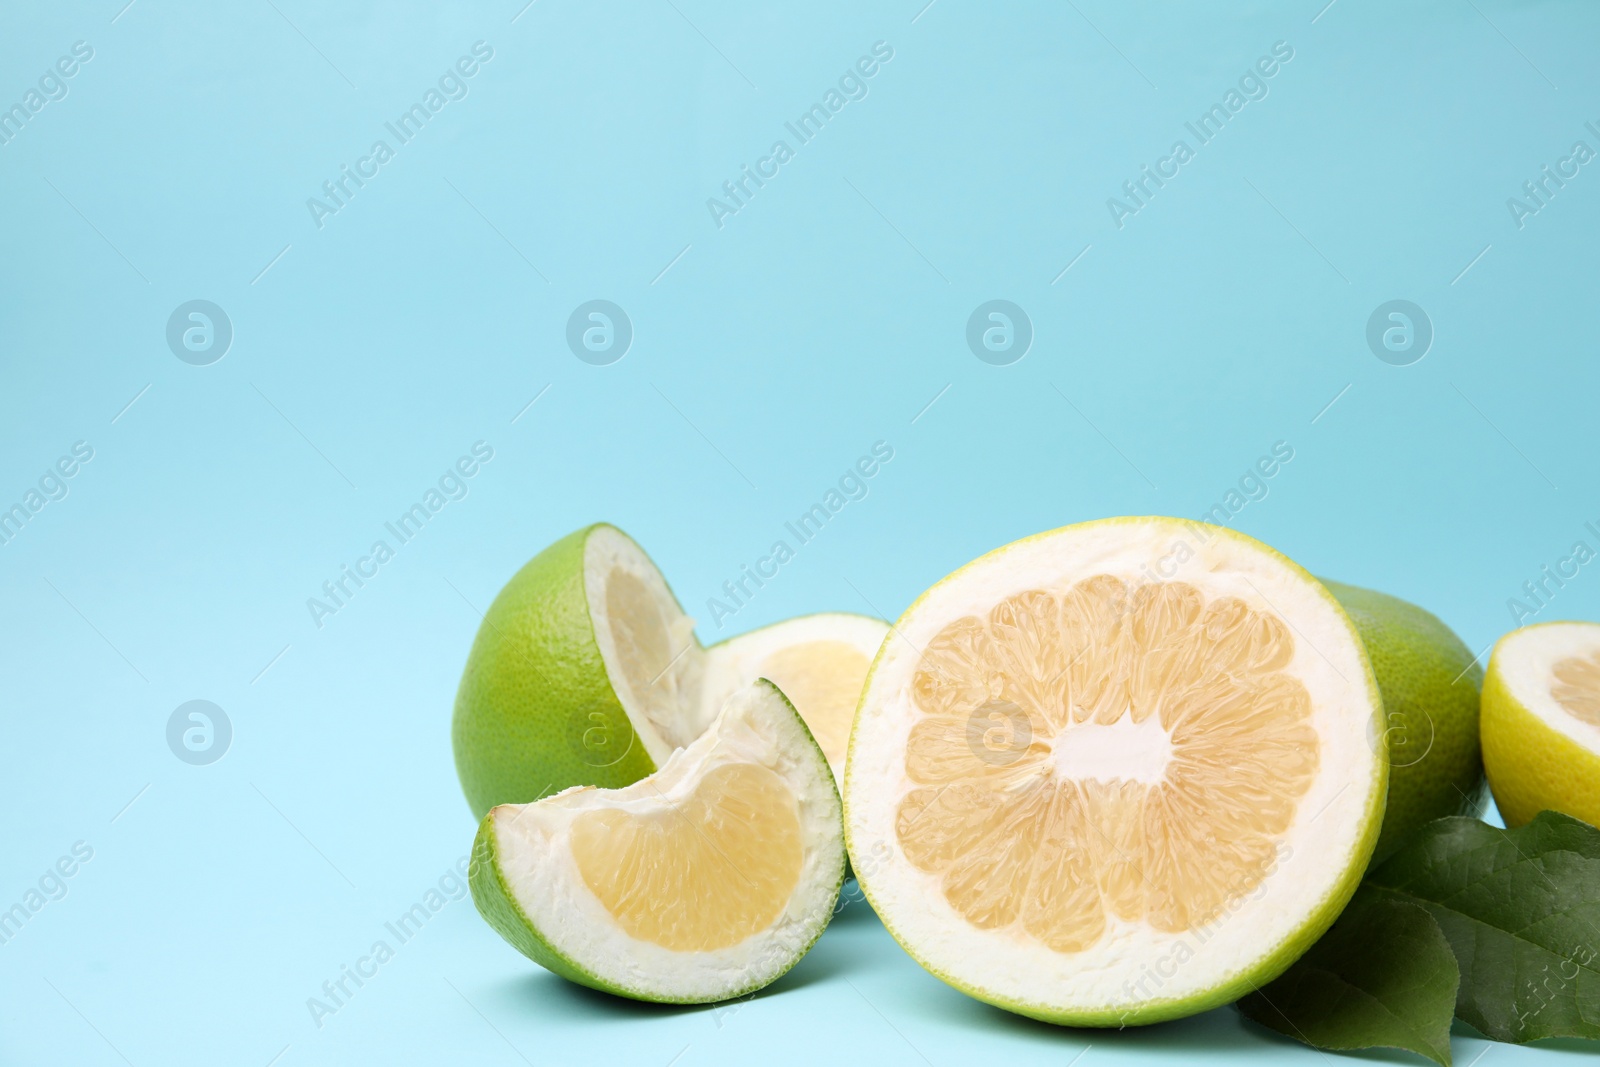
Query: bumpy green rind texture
{"x": 1531, "y": 765}
{"x": 1430, "y": 685}
{"x": 496, "y": 902}
{"x": 535, "y": 712}
{"x": 1274, "y": 962}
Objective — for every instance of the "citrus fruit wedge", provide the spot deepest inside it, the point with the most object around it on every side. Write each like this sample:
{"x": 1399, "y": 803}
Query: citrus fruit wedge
{"x": 704, "y": 881}
{"x": 584, "y": 672}
{"x": 1541, "y": 722}
{"x": 819, "y": 661}
{"x": 1430, "y": 683}
{"x": 587, "y": 671}
{"x": 1116, "y": 773}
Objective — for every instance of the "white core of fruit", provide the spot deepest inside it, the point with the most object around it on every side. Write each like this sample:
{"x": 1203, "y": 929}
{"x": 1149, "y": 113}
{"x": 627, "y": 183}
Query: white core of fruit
{"x": 1125, "y": 750}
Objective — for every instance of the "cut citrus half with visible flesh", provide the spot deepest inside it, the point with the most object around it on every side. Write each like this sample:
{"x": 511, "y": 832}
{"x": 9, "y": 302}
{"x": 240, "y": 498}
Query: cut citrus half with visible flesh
{"x": 819, "y": 661}
{"x": 705, "y": 881}
{"x": 586, "y": 671}
{"x": 1541, "y": 722}
{"x": 1116, "y": 773}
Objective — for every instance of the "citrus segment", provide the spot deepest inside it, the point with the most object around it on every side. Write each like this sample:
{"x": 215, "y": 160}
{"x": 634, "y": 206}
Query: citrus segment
{"x": 1577, "y": 686}
{"x": 705, "y": 881}
{"x": 704, "y": 874}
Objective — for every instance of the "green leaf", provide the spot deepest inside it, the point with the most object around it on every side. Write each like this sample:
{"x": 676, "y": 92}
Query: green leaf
{"x": 1521, "y": 909}
{"x": 1382, "y": 977}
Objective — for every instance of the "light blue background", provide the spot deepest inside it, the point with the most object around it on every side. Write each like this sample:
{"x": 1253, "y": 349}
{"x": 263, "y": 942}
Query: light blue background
{"x": 369, "y": 354}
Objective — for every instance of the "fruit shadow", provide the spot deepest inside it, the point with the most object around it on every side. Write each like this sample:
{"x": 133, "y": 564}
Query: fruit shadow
{"x": 1221, "y": 1033}
{"x": 852, "y": 909}
{"x": 582, "y": 1003}
{"x": 829, "y": 958}
{"x": 579, "y": 1002}
{"x": 1218, "y": 1031}
{"x": 1265, "y": 1036}
{"x": 1563, "y": 1044}
{"x": 1555, "y": 1044}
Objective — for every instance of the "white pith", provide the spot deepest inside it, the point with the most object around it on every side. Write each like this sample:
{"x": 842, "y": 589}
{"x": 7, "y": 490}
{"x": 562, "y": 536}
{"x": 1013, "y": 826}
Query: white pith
{"x": 1129, "y": 966}
{"x": 670, "y": 714}
{"x": 1526, "y": 660}
{"x": 756, "y": 725}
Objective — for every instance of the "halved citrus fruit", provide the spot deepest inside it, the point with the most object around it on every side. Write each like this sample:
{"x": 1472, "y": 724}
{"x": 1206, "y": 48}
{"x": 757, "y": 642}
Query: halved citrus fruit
{"x": 1541, "y": 721}
{"x": 586, "y": 671}
{"x": 1116, "y": 773}
{"x": 704, "y": 881}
